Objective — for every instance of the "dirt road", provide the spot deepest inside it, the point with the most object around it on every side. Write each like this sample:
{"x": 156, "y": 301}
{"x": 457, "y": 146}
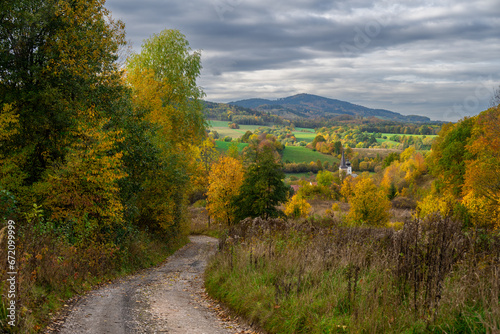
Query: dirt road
{"x": 166, "y": 299}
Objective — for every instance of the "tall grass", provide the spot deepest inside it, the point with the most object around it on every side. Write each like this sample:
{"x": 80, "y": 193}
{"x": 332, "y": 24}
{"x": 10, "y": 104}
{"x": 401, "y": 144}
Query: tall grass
{"x": 322, "y": 277}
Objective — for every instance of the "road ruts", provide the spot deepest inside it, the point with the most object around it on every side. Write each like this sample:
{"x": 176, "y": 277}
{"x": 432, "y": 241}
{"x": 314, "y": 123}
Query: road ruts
{"x": 165, "y": 299}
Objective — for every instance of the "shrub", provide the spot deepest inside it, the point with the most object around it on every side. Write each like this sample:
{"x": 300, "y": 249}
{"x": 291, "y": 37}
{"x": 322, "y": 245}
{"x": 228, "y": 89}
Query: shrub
{"x": 297, "y": 207}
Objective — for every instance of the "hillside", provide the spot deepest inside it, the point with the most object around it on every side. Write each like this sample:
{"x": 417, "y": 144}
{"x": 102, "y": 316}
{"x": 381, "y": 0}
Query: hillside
{"x": 313, "y": 106}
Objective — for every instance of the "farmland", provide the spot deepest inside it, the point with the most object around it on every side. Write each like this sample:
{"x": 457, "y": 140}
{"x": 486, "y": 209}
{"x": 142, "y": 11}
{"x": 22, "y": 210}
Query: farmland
{"x": 300, "y": 154}
{"x": 291, "y": 154}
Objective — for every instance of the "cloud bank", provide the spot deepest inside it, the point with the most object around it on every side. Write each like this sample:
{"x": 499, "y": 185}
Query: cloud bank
{"x": 439, "y": 60}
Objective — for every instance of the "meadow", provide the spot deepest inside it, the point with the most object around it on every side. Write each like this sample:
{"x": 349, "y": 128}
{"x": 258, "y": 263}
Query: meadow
{"x": 320, "y": 276}
{"x": 301, "y": 134}
{"x": 300, "y": 154}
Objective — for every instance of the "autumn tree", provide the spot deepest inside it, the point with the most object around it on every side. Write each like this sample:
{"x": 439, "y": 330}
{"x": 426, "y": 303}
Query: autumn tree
{"x": 163, "y": 77}
{"x": 297, "y": 206}
{"x": 84, "y": 191}
{"x": 167, "y": 100}
{"x": 447, "y": 161}
{"x": 206, "y": 154}
{"x": 225, "y": 180}
{"x": 481, "y": 188}
{"x": 369, "y": 205}
{"x": 57, "y": 60}
{"x": 325, "y": 178}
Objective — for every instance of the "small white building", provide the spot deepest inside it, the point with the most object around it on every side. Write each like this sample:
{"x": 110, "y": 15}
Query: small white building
{"x": 345, "y": 166}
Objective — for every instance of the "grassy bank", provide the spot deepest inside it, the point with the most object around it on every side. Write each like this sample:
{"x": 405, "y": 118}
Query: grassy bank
{"x": 321, "y": 277}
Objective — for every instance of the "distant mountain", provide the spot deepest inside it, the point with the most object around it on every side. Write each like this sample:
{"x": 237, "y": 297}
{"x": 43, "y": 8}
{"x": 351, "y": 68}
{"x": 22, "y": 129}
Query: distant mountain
{"x": 313, "y": 106}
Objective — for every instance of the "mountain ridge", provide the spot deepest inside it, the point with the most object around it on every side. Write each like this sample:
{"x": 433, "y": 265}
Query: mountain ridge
{"x": 314, "y": 106}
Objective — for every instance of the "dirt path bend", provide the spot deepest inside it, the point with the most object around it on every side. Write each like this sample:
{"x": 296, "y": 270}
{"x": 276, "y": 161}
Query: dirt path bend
{"x": 166, "y": 299}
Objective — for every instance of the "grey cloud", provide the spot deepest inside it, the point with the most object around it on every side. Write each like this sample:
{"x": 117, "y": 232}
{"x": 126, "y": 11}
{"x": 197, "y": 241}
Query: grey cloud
{"x": 410, "y": 57}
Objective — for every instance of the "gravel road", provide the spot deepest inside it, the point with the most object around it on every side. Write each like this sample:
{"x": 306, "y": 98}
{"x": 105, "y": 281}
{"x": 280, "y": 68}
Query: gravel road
{"x": 166, "y": 299}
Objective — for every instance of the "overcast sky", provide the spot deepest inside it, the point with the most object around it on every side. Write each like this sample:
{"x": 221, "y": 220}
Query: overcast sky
{"x": 439, "y": 59}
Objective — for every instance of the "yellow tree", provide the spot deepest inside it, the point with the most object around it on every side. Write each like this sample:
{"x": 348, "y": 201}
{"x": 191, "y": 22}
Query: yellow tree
{"x": 369, "y": 205}
{"x": 297, "y": 206}
{"x": 11, "y": 174}
{"x": 225, "y": 180}
{"x": 84, "y": 189}
{"x": 347, "y": 189}
{"x": 162, "y": 78}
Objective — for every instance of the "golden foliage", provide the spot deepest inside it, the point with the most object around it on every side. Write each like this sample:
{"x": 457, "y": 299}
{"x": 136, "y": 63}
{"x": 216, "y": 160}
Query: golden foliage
{"x": 436, "y": 203}
{"x": 163, "y": 79}
{"x": 369, "y": 205}
{"x": 11, "y": 175}
{"x": 481, "y": 188}
{"x": 297, "y": 207}
{"x": 9, "y": 121}
{"x": 225, "y": 180}
{"x": 88, "y": 50}
{"x": 85, "y": 186}
{"x": 347, "y": 188}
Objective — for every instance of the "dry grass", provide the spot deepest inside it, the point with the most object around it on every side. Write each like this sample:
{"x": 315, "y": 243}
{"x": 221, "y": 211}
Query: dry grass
{"x": 201, "y": 224}
{"x": 322, "y": 277}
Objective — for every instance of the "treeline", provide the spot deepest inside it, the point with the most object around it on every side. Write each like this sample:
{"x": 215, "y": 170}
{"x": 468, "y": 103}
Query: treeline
{"x": 331, "y": 139}
{"x": 247, "y": 116}
{"x": 96, "y": 161}
{"x": 371, "y": 124}
{"x": 240, "y": 115}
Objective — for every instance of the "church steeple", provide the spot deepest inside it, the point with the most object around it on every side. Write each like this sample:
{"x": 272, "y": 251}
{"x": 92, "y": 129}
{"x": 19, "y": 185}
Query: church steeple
{"x": 345, "y": 165}
{"x": 342, "y": 161}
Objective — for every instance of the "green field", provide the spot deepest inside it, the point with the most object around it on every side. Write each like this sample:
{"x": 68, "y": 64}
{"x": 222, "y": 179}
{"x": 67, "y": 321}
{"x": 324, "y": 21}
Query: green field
{"x": 223, "y": 130}
{"x": 306, "y": 135}
{"x": 295, "y": 154}
{"x": 381, "y": 140}
{"x": 407, "y": 135}
{"x": 303, "y": 154}
{"x": 301, "y": 134}
{"x": 223, "y": 146}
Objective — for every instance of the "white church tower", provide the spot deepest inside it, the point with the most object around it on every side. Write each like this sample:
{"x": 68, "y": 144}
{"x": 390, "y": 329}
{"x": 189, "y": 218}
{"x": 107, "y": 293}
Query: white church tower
{"x": 345, "y": 165}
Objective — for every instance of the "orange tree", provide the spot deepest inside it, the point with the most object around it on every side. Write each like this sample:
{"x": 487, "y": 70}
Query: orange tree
{"x": 482, "y": 174}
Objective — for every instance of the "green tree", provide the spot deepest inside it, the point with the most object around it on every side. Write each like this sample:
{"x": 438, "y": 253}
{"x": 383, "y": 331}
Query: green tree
{"x": 325, "y": 178}
{"x": 246, "y": 137}
{"x": 168, "y": 101}
{"x": 447, "y": 161}
{"x": 337, "y": 147}
{"x": 317, "y": 139}
{"x": 263, "y": 188}
{"x": 164, "y": 77}
{"x": 57, "y": 61}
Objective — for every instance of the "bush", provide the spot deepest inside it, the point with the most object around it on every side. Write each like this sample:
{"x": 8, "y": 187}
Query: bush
{"x": 404, "y": 203}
